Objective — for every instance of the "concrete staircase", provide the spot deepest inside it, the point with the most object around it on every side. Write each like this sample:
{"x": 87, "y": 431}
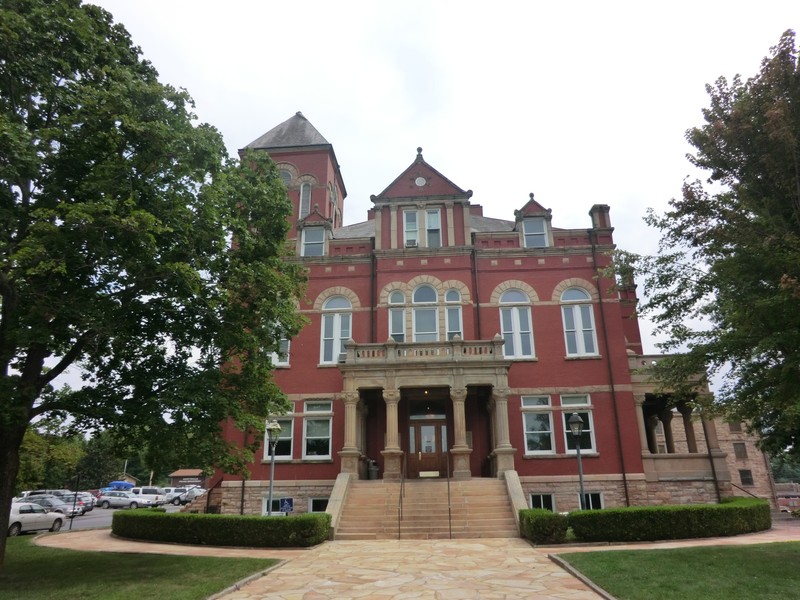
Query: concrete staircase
{"x": 480, "y": 508}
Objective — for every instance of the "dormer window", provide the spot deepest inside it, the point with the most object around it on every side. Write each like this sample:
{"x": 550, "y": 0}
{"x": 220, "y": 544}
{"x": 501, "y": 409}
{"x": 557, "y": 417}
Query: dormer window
{"x": 534, "y": 230}
{"x": 433, "y": 228}
{"x": 313, "y": 241}
{"x": 411, "y": 228}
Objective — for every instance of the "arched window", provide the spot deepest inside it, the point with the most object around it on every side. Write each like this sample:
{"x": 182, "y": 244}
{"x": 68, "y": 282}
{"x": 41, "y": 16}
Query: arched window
{"x": 452, "y": 299}
{"x": 516, "y": 324}
{"x": 397, "y": 316}
{"x": 336, "y": 328}
{"x": 286, "y": 176}
{"x": 579, "y": 332}
{"x": 305, "y": 200}
{"x": 426, "y": 319}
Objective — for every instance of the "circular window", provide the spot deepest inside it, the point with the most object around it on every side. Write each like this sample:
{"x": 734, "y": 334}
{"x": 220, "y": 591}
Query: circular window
{"x": 420, "y": 181}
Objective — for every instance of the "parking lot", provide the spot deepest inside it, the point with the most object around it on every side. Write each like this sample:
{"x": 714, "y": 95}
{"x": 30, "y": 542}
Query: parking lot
{"x": 101, "y": 517}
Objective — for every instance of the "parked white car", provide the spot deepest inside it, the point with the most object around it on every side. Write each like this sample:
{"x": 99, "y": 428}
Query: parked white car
{"x": 27, "y": 516}
{"x": 123, "y": 500}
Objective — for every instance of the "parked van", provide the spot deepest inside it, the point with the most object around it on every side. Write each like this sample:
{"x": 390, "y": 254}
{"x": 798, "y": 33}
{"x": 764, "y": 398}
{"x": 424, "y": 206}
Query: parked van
{"x": 156, "y": 495}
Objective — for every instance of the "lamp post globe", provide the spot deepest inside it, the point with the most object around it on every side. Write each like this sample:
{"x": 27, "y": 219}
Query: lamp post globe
{"x": 575, "y": 424}
{"x": 273, "y": 434}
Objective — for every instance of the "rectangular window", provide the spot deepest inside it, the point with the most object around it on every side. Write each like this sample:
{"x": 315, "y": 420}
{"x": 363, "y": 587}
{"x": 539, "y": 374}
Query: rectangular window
{"x": 335, "y": 332}
{"x": 544, "y": 501}
{"x": 535, "y": 232}
{"x": 740, "y": 449}
{"x": 397, "y": 324}
{"x": 426, "y": 328}
{"x": 517, "y": 334}
{"x": 746, "y": 476}
{"x": 537, "y": 423}
{"x": 281, "y": 358}
{"x": 538, "y": 433}
{"x": 735, "y": 427}
{"x": 592, "y": 500}
{"x": 579, "y": 330}
{"x": 276, "y": 507}
{"x": 317, "y": 504}
{"x": 283, "y": 449}
{"x": 313, "y": 241}
{"x": 453, "y": 322}
{"x": 317, "y": 429}
{"x": 433, "y": 228}
{"x": 305, "y": 199}
{"x": 587, "y": 436}
{"x": 575, "y": 400}
{"x": 411, "y": 229}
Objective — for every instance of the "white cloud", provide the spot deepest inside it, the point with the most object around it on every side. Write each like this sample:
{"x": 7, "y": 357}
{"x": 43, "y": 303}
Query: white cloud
{"x": 580, "y": 102}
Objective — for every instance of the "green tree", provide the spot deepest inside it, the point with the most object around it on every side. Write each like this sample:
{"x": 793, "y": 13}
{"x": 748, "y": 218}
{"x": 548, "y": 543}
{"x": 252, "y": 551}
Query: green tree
{"x": 725, "y": 286}
{"x": 101, "y": 463}
{"x": 117, "y": 213}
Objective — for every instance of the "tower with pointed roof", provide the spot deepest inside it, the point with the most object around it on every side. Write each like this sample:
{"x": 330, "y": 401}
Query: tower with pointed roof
{"x": 445, "y": 344}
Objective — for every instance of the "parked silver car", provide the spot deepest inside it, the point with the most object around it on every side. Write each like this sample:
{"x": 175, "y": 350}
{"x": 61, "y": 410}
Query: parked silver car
{"x": 56, "y": 504}
{"x": 28, "y": 516}
{"x": 123, "y": 500}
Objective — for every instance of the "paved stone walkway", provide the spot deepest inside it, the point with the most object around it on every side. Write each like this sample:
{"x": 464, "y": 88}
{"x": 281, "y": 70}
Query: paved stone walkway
{"x": 406, "y": 569}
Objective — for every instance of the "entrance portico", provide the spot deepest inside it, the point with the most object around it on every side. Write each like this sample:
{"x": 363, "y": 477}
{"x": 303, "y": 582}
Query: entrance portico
{"x": 435, "y": 404}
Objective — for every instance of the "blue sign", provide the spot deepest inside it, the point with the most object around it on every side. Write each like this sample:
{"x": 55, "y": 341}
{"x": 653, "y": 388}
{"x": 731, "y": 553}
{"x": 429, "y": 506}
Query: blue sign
{"x": 287, "y": 505}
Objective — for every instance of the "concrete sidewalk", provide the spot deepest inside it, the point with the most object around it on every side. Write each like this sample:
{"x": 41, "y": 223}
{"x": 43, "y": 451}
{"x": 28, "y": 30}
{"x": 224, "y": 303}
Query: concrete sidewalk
{"x": 407, "y": 569}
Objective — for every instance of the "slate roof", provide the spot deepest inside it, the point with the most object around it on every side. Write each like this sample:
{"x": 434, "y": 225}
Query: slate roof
{"x": 295, "y": 131}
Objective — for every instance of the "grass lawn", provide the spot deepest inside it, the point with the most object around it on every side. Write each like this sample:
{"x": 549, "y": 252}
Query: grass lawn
{"x": 762, "y": 571}
{"x": 37, "y": 573}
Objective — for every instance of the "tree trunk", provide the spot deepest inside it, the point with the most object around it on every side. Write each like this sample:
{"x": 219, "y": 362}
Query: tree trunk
{"x": 10, "y": 442}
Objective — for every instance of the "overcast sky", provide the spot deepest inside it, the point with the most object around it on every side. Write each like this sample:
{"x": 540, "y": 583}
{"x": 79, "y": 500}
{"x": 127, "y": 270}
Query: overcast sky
{"x": 578, "y": 102}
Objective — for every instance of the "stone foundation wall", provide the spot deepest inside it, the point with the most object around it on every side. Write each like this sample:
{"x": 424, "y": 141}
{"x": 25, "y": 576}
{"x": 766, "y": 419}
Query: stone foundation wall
{"x": 565, "y": 491}
{"x": 255, "y": 493}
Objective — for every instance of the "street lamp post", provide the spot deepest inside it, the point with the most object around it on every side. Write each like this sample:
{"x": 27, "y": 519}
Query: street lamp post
{"x": 273, "y": 433}
{"x": 576, "y": 427}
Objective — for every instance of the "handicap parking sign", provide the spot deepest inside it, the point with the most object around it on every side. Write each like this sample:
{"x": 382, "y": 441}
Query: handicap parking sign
{"x": 287, "y": 505}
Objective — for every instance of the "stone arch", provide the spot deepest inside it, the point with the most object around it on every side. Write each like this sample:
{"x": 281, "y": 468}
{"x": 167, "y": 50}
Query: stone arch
{"x": 383, "y": 296}
{"x": 460, "y": 286}
{"x": 575, "y": 282}
{"x": 337, "y": 291}
{"x": 287, "y": 166}
{"x": 513, "y": 284}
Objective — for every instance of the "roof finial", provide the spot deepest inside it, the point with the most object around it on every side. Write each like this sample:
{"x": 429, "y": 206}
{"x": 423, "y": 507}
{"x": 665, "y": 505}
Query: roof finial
{"x": 299, "y": 114}
{"x": 419, "y": 152}
{"x": 531, "y": 196}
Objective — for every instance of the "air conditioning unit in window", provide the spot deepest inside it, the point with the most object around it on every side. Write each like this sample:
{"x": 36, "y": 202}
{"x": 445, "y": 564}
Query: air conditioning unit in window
{"x": 343, "y": 357}
{"x": 411, "y": 243}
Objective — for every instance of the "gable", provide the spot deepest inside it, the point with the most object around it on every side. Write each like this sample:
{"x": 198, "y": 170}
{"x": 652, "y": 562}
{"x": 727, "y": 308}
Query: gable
{"x": 420, "y": 180}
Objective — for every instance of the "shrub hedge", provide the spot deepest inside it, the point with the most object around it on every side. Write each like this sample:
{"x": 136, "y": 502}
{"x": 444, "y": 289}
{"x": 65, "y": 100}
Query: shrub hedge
{"x": 543, "y": 526}
{"x": 647, "y": 523}
{"x": 223, "y": 530}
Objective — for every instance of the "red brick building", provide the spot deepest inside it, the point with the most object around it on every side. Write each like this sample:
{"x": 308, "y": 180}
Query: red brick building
{"x": 441, "y": 342}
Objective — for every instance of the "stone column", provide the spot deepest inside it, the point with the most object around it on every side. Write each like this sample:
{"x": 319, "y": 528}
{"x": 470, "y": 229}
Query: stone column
{"x": 665, "y": 416}
{"x": 644, "y": 434}
{"x": 652, "y": 441}
{"x": 688, "y": 426}
{"x": 458, "y": 397}
{"x": 350, "y": 454}
{"x": 392, "y": 399}
{"x": 503, "y": 452}
{"x": 392, "y": 454}
{"x": 460, "y": 451}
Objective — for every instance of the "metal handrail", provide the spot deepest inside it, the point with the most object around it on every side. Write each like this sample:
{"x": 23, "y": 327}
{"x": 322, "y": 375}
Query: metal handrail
{"x": 745, "y": 491}
{"x": 449, "y": 503}
{"x": 402, "y": 493}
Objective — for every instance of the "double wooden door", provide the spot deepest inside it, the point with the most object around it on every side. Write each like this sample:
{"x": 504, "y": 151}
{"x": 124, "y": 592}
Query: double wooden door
{"x": 427, "y": 448}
